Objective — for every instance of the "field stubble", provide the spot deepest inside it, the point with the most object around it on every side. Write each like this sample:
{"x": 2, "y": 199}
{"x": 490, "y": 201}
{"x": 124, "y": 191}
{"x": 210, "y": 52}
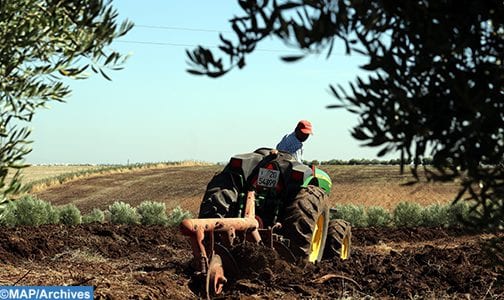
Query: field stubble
{"x": 184, "y": 186}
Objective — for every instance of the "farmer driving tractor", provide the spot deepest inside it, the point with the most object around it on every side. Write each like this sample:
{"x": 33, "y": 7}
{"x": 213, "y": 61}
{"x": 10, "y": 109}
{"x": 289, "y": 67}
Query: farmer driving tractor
{"x": 293, "y": 142}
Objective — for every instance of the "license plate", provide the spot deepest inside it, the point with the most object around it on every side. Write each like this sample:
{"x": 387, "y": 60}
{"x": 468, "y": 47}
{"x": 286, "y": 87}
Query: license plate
{"x": 268, "y": 178}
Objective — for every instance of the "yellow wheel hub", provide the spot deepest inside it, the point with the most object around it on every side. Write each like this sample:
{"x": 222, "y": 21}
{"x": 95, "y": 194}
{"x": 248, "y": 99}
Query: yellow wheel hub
{"x": 345, "y": 248}
{"x": 316, "y": 241}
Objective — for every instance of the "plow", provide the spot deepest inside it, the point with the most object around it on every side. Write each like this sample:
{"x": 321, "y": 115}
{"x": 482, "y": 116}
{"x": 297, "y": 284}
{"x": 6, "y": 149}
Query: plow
{"x": 265, "y": 198}
{"x": 211, "y": 240}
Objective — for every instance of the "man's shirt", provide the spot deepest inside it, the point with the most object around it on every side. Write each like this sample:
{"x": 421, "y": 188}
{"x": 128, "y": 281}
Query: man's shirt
{"x": 291, "y": 144}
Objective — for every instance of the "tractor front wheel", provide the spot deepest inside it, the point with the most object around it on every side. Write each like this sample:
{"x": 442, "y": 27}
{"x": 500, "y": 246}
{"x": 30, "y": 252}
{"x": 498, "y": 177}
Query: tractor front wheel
{"x": 306, "y": 223}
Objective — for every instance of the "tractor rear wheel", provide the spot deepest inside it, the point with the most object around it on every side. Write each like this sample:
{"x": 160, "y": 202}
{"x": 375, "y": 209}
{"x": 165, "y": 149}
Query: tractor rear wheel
{"x": 339, "y": 239}
{"x": 306, "y": 223}
{"x": 220, "y": 197}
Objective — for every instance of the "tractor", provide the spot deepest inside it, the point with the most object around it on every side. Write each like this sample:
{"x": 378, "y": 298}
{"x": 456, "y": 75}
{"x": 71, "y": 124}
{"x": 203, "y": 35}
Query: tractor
{"x": 269, "y": 198}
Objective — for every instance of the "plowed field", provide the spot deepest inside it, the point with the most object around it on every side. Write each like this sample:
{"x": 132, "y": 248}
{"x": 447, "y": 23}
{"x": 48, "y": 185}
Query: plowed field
{"x": 134, "y": 262}
{"x": 139, "y": 262}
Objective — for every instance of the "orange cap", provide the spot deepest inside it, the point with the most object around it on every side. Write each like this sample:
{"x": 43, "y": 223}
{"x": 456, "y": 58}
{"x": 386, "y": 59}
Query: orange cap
{"x": 305, "y": 127}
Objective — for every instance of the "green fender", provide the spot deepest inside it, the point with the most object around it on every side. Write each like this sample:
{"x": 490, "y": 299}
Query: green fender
{"x": 322, "y": 180}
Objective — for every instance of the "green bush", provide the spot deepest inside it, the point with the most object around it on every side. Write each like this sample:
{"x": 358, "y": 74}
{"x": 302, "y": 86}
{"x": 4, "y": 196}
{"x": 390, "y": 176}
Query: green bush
{"x": 407, "y": 214}
{"x": 177, "y": 215}
{"x": 152, "y": 213}
{"x": 457, "y": 213}
{"x": 96, "y": 215}
{"x": 34, "y": 212}
{"x": 378, "y": 216}
{"x": 355, "y": 214}
{"x": 52, "y": 214}
{"x": 435, "y": 215}
{"x": 8, "y": 214}
{"x": 69, "y": 215}
{"x": 123, "y": 213}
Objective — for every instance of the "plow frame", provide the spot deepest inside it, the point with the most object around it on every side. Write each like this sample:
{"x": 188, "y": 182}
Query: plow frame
{"x": 211, "y": 238}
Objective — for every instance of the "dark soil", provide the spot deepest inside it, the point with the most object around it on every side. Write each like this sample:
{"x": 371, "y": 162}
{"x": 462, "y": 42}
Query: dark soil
{"x": 139, "y": 262}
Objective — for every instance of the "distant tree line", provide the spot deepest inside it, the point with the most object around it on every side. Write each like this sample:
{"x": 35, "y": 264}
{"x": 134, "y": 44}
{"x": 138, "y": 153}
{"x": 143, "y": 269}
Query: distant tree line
{"x": 364, "y": 161}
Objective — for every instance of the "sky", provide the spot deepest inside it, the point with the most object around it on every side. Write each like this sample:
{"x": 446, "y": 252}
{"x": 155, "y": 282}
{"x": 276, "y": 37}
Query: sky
{"x": 154, "y": 111}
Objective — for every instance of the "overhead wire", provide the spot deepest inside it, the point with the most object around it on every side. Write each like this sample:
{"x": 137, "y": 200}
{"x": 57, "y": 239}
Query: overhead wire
{"x": 193, "y": 46}
{"x": 181, "y": 28}
{"x": 176, "y": 28}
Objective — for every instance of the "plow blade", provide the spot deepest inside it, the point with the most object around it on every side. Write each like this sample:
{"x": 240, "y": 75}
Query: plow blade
{"x": 222, "y": 262}
{"x": 215, "y": 278}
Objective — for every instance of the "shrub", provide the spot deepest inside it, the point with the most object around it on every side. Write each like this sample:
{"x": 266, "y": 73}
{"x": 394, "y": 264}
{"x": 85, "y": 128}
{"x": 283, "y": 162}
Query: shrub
{"x": 69, "y": 215}
{"x": 96, "y": 215}
{"x": 53, "y": 216}
{"x": 8, "y": 214}
{"x": 355, "y": 214}
{"x": 34, "y": 212}
{"x": 378, "y": 216}
{"x": 177, "y": 215}
{"x": 123, "y": 213}
{"x": 152, "y": 213}
{"x": 435, "y": 215}
{"x": 407, "y": 214}
{"x": 457, "y": 213}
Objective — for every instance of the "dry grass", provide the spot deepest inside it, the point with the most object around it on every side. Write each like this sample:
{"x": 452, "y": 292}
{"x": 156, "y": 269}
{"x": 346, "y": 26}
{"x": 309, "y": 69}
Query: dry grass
{"x": 383, "y": 185}
{"x": 79, "y": 255}
{"x": 39, "y": 172}
{"x": 41, "y": 177}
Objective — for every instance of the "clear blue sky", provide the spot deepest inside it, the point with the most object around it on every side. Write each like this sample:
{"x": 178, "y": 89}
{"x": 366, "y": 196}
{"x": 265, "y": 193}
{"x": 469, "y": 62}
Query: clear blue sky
{"x": 153, "y": 110}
